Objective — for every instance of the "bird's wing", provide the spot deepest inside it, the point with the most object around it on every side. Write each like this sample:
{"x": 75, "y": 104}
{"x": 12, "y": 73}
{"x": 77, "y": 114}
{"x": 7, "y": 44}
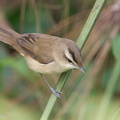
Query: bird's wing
{"x": 37, "y": 46}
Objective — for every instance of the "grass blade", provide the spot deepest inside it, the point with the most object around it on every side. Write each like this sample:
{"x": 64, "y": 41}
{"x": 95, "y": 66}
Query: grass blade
{"x": 80, "y": 42}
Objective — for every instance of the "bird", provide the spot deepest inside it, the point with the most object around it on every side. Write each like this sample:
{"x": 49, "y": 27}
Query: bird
{"x": 44, "y": 54}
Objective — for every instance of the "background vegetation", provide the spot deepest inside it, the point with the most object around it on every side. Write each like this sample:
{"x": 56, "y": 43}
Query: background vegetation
{"x": 94, "y": 96}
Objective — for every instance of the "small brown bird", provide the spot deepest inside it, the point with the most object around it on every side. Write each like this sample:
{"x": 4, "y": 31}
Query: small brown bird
{"x": 44, "y": 53}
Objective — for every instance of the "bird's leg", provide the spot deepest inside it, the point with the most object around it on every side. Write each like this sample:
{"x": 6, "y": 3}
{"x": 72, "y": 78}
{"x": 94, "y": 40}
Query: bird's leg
{"x": 55, "y": 92}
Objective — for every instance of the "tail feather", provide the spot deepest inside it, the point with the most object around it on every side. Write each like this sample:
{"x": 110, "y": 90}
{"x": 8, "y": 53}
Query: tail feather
{"x": 8, "y": 35}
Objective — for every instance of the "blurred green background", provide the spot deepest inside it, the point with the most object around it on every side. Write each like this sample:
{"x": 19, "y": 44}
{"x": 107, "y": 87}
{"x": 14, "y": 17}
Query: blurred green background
{"x": 95, "y": 96}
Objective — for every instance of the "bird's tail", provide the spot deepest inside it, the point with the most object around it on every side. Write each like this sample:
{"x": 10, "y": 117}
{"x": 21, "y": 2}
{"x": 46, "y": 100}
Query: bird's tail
{"x": 8, "y": 35}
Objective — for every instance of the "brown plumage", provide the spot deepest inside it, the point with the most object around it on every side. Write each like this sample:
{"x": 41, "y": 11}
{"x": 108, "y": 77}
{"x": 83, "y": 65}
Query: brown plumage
{"x": 44, "y": 53}
{"x": 43, "y": 48}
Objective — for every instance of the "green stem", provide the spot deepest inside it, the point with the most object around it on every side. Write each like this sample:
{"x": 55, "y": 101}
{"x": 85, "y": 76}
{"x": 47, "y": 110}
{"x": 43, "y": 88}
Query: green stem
{"x": 90, "y": 23}
{"x": 80, "y": 42}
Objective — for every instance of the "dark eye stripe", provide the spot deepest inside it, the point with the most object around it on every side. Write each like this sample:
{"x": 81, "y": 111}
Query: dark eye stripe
{"x": 72, "y": 54}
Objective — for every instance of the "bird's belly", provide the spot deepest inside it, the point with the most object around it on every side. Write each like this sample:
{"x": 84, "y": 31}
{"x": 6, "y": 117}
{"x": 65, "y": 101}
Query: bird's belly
{"x": 50, "y": 68}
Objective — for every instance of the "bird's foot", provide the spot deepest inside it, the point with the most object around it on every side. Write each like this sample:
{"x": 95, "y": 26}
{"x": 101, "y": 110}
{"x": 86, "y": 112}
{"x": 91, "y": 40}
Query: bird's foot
{"x": 55, "y": 92}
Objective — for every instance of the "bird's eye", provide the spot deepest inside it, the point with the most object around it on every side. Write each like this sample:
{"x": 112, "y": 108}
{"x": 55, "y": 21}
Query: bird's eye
{"x": 69, "y": 61}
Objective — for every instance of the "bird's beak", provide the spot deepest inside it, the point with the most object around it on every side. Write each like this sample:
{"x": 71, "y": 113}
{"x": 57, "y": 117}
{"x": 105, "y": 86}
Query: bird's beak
{"x": 82, "y": 69}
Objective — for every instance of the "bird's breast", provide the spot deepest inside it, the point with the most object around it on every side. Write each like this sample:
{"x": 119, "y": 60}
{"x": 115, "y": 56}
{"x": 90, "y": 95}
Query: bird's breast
{"x": 49, "y": 68}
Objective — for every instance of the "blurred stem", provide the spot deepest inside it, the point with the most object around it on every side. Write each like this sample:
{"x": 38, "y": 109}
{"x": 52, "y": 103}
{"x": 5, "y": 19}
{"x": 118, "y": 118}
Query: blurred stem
{"x": 90, "y": 23}
{"x": 80, "y": 42}
{"x": 35, "y": 8}
{"x": 66, "y": 4}
{"x": 1, "y": 82}
{"x": 22, "y": 16}
{"x": 109, "y": 92}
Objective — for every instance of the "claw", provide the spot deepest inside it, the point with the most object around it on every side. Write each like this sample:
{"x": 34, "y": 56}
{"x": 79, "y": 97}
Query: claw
{"x": 55, "y": 92}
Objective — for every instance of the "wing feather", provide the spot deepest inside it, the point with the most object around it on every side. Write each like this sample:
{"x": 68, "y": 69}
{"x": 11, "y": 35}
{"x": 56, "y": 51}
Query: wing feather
{"x": 37, "y": 46}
